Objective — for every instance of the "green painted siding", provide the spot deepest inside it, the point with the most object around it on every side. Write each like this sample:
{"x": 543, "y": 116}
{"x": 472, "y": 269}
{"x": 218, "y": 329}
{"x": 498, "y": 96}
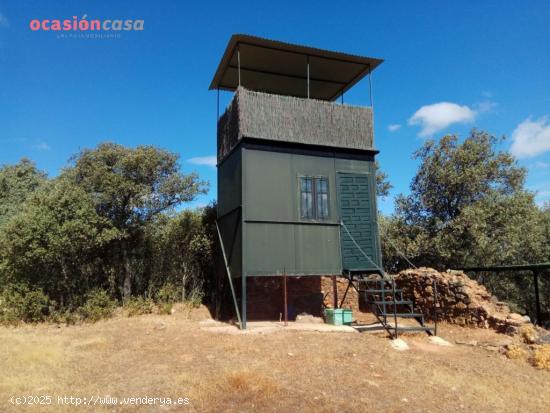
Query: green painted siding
{"x": 268, "y": 236}
{"x": 230, "y": 183}
{"x": 272, "y": 187}
{"x": 276, "y": 237}
{"x": 229, "y": 209}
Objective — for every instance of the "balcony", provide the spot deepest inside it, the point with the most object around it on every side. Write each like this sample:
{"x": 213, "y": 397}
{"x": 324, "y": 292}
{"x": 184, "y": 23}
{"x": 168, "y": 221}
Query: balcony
{"x": 293, "y": 120}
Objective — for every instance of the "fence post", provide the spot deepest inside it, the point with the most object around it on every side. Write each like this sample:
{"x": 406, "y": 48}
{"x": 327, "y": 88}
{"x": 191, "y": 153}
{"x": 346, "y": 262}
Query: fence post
{"x": 434, "y": 287}
{"x": 537, "y": 297}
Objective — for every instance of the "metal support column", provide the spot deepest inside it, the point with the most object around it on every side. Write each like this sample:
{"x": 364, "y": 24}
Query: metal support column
{"x": 537, "y": 296}
{"x": 436, "y": 303}
{"x": 308, "y": 77}
{"x": 228, "y": 270}
{"x": 243, "y": 301}
{"x": 239, "y": 64}
{"x": 372, "y": 109}
{"x": 370, "y": 90}
{"x": 350, "y": 282}
{"x": 334, "y": 292}
{"x": 218, "y": 106}
{"x": 285, "y": 297}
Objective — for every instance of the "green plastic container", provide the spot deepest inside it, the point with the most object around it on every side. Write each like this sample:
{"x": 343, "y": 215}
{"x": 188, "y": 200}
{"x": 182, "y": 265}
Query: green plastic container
{"x": 338, "y": 316}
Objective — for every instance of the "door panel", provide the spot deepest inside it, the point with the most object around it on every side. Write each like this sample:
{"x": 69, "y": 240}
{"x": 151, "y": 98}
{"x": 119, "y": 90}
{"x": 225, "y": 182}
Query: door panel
{"x": 357, "y": 212}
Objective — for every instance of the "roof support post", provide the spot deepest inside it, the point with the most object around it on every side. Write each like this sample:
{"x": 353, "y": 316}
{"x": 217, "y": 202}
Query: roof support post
{"x": 308, "y": 77}
{"x": 370, "y": 89}
{"x": 218, "y": 105}
{"x": 239, "y": 63}
{"x": 371, "y": 104}
{"x": 537, "y": 296}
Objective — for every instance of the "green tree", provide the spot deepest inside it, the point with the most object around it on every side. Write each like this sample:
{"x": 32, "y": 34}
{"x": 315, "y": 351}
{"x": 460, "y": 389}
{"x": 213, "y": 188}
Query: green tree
{"x": 17, "y": 182}
{"x": 130, "y": 187}
{"x": 467, "y": 206}
{"x": 383, "y": 185}
{"x": 179, "y": 253}
{"x": 56, "y": 243}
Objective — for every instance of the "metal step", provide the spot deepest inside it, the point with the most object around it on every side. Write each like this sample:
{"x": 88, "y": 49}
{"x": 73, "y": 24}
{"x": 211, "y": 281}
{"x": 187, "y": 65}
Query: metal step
{"x": 402, "y": 315}
{"x": 387, "y": 290}
{"x": 378, "y": 281}
{"x": 413, "y": 329}
{"x": 391, "y": 302}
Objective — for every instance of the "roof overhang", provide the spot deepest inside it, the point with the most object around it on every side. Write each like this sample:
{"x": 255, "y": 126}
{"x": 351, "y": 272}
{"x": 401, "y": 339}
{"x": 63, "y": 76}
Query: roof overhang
{"x": 282, "y": 68}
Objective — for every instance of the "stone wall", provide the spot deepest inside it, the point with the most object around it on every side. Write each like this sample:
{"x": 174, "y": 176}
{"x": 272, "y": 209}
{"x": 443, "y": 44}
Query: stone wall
{"x": 461, "y": 300}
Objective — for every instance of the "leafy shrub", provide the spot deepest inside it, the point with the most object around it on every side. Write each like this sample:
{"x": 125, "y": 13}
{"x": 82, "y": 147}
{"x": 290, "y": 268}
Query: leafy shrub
{"x": 195, "y": 299}
{"x": 64, "y": 317}
{"x": 139, "y": 305}
{"x": 165, "y": 308}
{"x": 168, "y": 294}
{"x": 35, "y": 306}
{"x": 98, "y": 306}
{"x": 19, "y": 303}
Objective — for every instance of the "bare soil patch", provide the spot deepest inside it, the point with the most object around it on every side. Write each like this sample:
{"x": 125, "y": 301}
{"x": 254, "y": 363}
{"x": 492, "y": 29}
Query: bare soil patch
{"x": 286, "y": 370}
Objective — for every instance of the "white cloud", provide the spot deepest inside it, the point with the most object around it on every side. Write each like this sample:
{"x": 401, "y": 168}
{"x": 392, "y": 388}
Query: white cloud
{"x": 436, "y": 117}
{"x": 3, "y": 21}
{"x": 41, "y": 146}
{"x": 542, "y": 165}
{"x": 485, "y": 106}
{"x": 204, "y": 160}
{"x": 394, "y": 127}
{"x": 531, "y": 138}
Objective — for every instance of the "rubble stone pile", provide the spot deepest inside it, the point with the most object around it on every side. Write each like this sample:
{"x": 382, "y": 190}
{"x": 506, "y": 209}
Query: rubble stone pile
{"x": 460, "y": 300}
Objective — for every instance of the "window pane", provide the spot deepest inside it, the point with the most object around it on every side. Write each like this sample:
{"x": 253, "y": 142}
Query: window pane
{"x": 321, "y": 192}
{"x": 306, "y": 198}
{"x": 321, "y": 185}
{"x": 322, "y": 206}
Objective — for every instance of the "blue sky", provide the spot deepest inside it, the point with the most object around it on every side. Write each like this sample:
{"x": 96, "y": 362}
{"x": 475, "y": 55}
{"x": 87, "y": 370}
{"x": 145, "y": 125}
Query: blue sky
{"x": 449, "y": 67}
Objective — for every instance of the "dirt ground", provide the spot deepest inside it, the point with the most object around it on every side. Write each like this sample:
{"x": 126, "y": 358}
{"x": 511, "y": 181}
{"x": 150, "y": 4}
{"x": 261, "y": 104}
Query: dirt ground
{"x": 284, "y": 370}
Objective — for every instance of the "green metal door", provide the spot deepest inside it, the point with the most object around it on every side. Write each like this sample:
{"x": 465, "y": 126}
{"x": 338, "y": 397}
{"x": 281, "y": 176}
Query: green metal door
{"x": 357, "y": 212}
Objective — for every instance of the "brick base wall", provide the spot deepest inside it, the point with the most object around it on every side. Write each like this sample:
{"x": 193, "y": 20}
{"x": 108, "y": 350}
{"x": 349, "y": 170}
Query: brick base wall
{"x": 308, "y": 295}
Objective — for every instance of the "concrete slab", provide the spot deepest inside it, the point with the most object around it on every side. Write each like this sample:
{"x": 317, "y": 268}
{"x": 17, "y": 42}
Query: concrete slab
{"x": 399, "y": 344}
{"x": 267, "y": 327}
{"x": 439, "y": 341}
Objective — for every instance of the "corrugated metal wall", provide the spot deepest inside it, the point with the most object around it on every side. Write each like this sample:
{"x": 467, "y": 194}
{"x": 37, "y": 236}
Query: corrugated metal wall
{"x": 275, "y": 238}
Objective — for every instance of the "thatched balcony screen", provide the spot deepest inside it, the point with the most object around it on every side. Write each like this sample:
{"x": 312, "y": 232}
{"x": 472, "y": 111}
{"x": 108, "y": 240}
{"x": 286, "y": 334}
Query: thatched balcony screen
{"x": 293, "y": 120}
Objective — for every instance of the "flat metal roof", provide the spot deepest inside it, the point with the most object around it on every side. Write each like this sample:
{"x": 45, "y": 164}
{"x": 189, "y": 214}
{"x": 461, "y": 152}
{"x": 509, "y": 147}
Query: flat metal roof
{"x": 282, "y": 68}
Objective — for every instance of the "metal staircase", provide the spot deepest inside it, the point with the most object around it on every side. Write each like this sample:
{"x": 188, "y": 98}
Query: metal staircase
{"x": 389, "y": 304}
{"x": 386, "y": 300}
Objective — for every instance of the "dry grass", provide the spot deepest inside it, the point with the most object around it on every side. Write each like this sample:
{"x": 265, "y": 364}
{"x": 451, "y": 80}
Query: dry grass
{"x": 528, "y": 333}
{"x": 541, "y": 357}
{"x": 171, "y": 356}
{"x": 516, "y": 352}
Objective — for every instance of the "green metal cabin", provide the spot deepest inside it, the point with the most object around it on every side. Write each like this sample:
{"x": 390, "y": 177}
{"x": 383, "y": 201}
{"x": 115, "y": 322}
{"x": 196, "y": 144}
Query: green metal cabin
{"x": 296, "y": 174}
